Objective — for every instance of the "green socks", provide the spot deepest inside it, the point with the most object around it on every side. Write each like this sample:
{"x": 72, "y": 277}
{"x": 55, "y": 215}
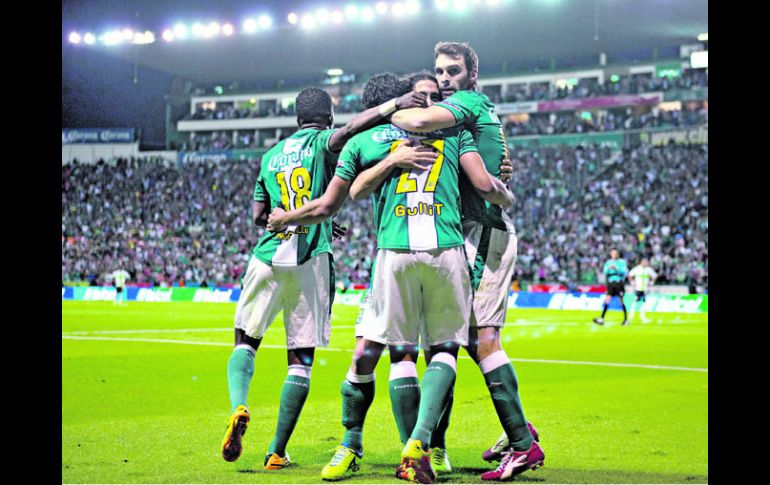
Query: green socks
{"x": 504, "y": 389}
{"x": 240, "y": 368}
{"x": 438, "y": 437}
{"x": 357, "y": 395}
{"x": 293, "y": 396}
{"x": 404, "y": 397}
{"x": 437, "y": 383}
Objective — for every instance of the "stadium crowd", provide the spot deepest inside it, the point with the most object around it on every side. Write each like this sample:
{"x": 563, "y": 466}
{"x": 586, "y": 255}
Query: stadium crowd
{"x": 169, "y": 224}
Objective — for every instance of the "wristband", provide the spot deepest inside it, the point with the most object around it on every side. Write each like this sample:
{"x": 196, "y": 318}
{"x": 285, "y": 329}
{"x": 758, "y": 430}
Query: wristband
{"x": 387, "y": 108}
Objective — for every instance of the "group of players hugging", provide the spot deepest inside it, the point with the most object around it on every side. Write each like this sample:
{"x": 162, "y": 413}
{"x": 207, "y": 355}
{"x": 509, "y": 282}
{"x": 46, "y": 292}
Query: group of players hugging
{"x": 431, "y": 154}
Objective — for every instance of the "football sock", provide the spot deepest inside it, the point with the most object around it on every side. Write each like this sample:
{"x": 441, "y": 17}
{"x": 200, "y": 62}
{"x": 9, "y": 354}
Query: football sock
{"x": 357, "y": 395}
{"x": 438, "y": 437}
{"x": 604, "y": 309}
{"x": 625, "y": 315}
{"x": 437, "y": 383}
{"x": 404, "y": 396}
{"x": 631, "y": 313}
{"x": 504, "y": 389}
{"x": 293, "y": 396}
{"x": 240, "y": 368}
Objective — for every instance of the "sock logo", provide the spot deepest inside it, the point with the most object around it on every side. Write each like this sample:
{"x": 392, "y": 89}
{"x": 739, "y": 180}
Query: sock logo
{"x": 494, "y": 384}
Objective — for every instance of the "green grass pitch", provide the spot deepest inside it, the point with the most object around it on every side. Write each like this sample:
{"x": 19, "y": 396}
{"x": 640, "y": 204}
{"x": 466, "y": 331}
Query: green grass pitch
{"x": 144, "y": 399}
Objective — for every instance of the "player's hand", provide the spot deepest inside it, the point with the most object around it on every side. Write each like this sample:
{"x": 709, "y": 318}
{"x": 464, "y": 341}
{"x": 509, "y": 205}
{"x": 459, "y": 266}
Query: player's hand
{"x": 506, "y": 170}
{"x": 412, "y": 99}
{"x": 413, "y": 155}
{"x": 338, "y": 231}
{"x": 275, "y": 221}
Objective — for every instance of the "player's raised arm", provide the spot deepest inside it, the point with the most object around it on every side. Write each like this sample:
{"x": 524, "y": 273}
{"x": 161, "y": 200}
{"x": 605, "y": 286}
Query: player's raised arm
{"x": 374, "y": 116}
{"x": 488, "y": 187}
{"x": 313, "y": 212}
{"x": 410, "y": 155}
{"x": 419, "y": 120}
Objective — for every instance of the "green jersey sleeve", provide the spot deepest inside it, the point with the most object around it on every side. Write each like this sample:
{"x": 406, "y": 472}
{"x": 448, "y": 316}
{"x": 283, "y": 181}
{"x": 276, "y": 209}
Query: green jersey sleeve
{"x": 260, "y": 194}
{"x": 462, "y": 105}
{"x": 348, "y": 164}
{"x": 466, "y": 142}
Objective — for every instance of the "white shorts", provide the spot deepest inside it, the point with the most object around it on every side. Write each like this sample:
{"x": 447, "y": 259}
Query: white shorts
{"x": 491, "y": 254}
{"x": 303, "y": 293}
{"x": 411, "y": 289}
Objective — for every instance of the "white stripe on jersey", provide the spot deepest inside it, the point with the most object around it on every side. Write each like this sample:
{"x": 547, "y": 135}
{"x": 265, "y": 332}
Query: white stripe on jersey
{"x": 422, "y": 227}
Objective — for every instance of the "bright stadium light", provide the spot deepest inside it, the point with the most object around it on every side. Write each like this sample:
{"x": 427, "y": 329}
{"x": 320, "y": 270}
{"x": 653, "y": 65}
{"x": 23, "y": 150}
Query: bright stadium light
{"x": 168, "y": 35}
{"x": 493, "y": 3}
{"x": 335, "y": 72}
{"x": 180, "y": 31}
{"x": 308, "y": 21}
{"x": 337, "y": 17}
{"x": 459, "y": 5}
{"x": 381, "y": 8}
{"x": 292, "y": 18}
{"x": 89, "y": 38}
{"x": 212, "y": 29}
{"x": 112, "y": 37}
{"x": 198, "y": 29}
{"x": 142, "y": 38}
{"x": 704, "y": 37}
{"x": 228, "y": 29}
{"x": 127, "y": 34}
{"x": 265, "y": 21}
{"x": 397, "y": 9}
{"x": 442, "y": 4}
{"x": 351, "y": 11}
{"x": 74, "y": 38}
{"x": 413, "y": 7}
{"x": 367, "y": 14}
{"x": 249, "y": 26}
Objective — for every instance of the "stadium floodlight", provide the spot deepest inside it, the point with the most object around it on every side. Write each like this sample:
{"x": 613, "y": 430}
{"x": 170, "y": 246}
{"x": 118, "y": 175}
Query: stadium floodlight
{"x": 127, "y": 34}
{"x": 337, "y": 17}
{"x": 180, "y": 31}
{"x": 249, "y": 26}
{"x": 397, "y": 9}
{"x": 308, "y": 21}
{"x": 351, "y": 11}
{"x": 293, "y": 18}
{"x": 493, "y": 3}
{"x": 212, "y": 29}
{"x": 322, "y": 16}
{"x": 334, "y": 72}
{"x": 112, "y": 37}
{"x": 442, "y": 4}
{"x": 74, "y": 38}
{"x": 265, "y": 21}
{"x": 381, "y": 8}
{"x": 142, "y": 38}
{"x": 89, "y": 38}
{"x": 367, "y": 14}
{"x": 168, "y": 35}
{"x": 228, "y": 29}
{"x": 704, "y": 37}
{"x": 198, "y": 29}
{"x": 459, "y": 5}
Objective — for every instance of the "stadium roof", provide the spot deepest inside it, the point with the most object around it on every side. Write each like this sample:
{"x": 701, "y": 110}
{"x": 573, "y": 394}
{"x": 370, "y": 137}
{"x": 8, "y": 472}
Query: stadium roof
{"x": 515, "y": 33}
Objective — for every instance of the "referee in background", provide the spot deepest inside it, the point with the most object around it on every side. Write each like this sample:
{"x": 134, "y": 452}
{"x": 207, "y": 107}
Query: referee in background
{"x": 615, "y": 270}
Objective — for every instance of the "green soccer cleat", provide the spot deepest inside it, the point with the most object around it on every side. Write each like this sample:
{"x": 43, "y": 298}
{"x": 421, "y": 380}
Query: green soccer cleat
{"x": 439, "y": 460}
{"x": 343, "y": 464}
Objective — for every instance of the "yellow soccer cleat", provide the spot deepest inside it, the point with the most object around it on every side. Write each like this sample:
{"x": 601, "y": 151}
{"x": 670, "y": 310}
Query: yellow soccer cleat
{"x": 236, "y": 427}
{"x": 275, "y": 462}
{"x": 439, "y": 460}
{"x": 415, "y": 464}
{"x": 343, "y": 464}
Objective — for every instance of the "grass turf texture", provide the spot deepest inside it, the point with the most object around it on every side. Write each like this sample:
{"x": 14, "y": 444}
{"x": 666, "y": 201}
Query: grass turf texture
{"x": 136, "y": 411}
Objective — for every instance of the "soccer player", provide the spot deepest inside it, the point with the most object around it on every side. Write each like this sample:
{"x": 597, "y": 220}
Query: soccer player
{"x": 641, "y": 276}
{"x": 421, "y": 276}
{"x": 615, "y": 269}
{"x": 291, "y": 270}
{"x": 119, "y": 278}
{"x": 490, "y": 245}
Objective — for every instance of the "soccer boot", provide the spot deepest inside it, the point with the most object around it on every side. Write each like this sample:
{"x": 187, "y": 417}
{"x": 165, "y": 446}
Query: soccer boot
{"x": 599, "y": 320}
{"x": 515, "y": 462}
{"x": 275, "y": 462}
{"x": 415, "y": 464}
{"x": 495, "y": 452}
{"x": 625, "y": 323}
{"x": 439, "y": 460}
{"x": 236, "y": 427}
{"x": 343, "y": 464}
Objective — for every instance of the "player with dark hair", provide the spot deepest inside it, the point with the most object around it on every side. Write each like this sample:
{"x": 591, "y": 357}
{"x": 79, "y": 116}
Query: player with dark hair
{"x": 615, "y": 270}
{"x": 291, "y": 270}
{"x": 420, "y": 280}
{"x": 490, "y": 244}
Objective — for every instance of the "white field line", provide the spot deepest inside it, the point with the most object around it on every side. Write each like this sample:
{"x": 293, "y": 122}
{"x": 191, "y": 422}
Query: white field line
{"x": 171, "y": 330}
{"x": 331, "y": 349}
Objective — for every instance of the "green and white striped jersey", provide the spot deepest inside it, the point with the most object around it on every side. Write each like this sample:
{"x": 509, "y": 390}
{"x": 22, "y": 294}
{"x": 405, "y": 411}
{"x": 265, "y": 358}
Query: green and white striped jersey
{"x": 119, "y": 278}
{"x": 642, "y": 276}
{"x": 413, "y": 210}
{"x": 293, "y": 172}
{"x": 476, "y": 113}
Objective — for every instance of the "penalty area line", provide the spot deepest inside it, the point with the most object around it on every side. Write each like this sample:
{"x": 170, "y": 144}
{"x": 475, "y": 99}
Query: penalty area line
{"x": 332, "y": 349}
